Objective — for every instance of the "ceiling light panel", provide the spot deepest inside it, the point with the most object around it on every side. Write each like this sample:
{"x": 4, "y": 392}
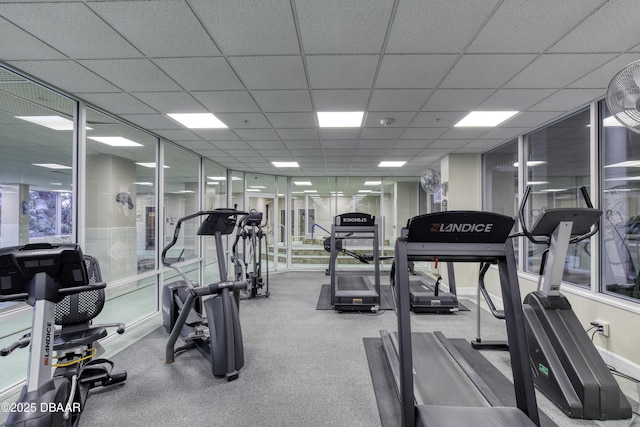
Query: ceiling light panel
{"x": 344, "y": 119}
{"x": 485, "y": 118}
{"x": 198, "y": 121}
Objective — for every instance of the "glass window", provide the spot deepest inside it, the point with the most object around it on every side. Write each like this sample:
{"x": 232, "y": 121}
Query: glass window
{"x": 501, "y": 179}
{"x": 181, "y": 189}
{"x": 620, "y": 231}
{"x": 120, "y": 197}
{"x": 36, "y": 166}
{"x": 557, "y": 166}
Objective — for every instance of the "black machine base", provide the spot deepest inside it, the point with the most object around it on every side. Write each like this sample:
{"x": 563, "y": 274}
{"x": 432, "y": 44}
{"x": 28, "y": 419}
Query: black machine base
{"x": 424, "y": 300}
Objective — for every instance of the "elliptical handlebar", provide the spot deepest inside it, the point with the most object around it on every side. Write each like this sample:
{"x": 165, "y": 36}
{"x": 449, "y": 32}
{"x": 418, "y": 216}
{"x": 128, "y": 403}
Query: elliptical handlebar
{"x": 176, "y": 232}
{"x": 527, "y": 233}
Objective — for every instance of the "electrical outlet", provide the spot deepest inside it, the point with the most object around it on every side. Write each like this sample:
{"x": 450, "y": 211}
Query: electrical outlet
{"x": 602, "y": 327}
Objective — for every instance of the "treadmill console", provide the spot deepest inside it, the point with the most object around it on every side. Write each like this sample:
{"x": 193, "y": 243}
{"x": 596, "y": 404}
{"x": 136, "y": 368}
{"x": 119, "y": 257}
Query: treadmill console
{"x": 355, "y": 219}
{"x": 459, "y": 227}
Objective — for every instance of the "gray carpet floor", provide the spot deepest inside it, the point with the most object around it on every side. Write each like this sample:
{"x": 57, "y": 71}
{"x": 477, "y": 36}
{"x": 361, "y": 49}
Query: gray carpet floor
{"x": 303, "y": 367}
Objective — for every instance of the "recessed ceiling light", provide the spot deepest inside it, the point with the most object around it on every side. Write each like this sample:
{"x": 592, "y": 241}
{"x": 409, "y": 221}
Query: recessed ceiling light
{"x": 236, "y": 178}
{"x": 145, "y": 183}
{"x": 217, "y": 178}
{"x": 391, "y": 164}
{"x": 364, "y": 191}
{"x": 624, "y": 178}
{"x": 485, "y": 118}
{"x": 253, "y": 189}
{"x": 553, "y": 190}
{"x": 310, "y": 191}
{"x": 198, "y": 121}
{"x": 52, "y": 166}
{"x": 257, "y": 186}
{"x": 55, "y": 183}
{"x": 213, "y": 183}
{"x": 626, "y": 164}
{"x": 340, "y": 119}
{"x": 286, "y": 164}
{"x": 302, "y": 183}
{"x": 115, "y": 141}
{"x": 531, "y": 163}
{"x": 372, "y": 182}
{"x": 150, "y": 165}
{"x": 537, "y": 182}
{"x": 51, "y": 122}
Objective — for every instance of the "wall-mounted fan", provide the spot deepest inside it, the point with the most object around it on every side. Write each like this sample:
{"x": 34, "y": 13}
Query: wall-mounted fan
{"x": 430, "y": 181}
{"x": 623, "y": 96}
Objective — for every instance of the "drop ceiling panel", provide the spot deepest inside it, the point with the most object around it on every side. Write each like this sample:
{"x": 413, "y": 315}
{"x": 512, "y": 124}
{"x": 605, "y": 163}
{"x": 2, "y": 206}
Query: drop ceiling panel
{"x": 171, "y": 102}
{"x": 249, "y": 28}
{"x": 339, "y": 144}
{"x": 118, "y": 103}
{"x": 18, "y": 44}
{"x": 398, "y": 99}
{"x": 257, "y": 134}
{"x": 158, "y": 28}
{"x": 66, "y": 75}
{"x": 412, "y": 143}
{"x": 197, "y": 145}
{"x": 292, "y": 120}
{"x": 464, "y": 133}
{"x": 443, "y": 27}
{"x": 413, "y": 71}
{"x": 309, "y": 144}
{"x": 341, "y": 71}
{"x": 423, "y": 133}
{"x": 232, "y": 101}
{"x": 514, "y": 99}
{"x": 530, "y": 26}
{"x": 270, "y": 72}
{"x": 400, "y": 119}
{"x": 154, "y": 122}
{"x": 612, "y": 29}
{"x": 216, "y": 134}
{"x": 381, "y": 133}
{"x": 372, "y": 143}
{"x": 226, "y": 145}
{"x": 327, "y": 26}
{"x": 340, "y": 100}
{"x": 175, "y": 135}
{"x": 71, "y": 28}
{"x": 267, "y": 145}
{"x": 449, "y": 143}
{"x": 568, "y": 99}
{"x": 530, "y": 119}
{"x": 563, "y": 70}
{"x": 485, "y": 71}
{"x": 504, "y": 133}
{"x": 339, "y": 133}
{"x": 456, "y": 99}
{"x": 283, "y": 100}
{"x": 298, "y": 134}
{"x": 431, "y": 119}
{"x": 200, "y": 73}
{"x": 132, "y": 75}
{"x": 600, "y": 77}
{"x": 244, "y": 120}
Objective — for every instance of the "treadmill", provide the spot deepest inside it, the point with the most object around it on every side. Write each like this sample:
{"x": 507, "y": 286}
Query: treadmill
{"x": 426, "y": 296}
{"x": 352, "y": 290}
{"x": 437, "y": 387}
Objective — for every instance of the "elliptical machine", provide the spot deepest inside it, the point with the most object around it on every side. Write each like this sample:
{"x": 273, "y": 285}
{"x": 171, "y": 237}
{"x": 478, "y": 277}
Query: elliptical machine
{"x": 206, "y": 316}
{"x": 248, "y": 262}
{"x": 64, "y": 287}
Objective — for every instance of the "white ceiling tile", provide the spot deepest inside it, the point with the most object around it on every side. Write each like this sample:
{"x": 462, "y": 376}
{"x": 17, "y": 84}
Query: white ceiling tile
{"x": 233, "y": 101}
{"x": 464, "y": 133}
{"x": 18, "y": 44}
{"x": 71, "y": 28}
{"x": 327, "y": 26}
{"x": 340, "y": 100}
{"x": 399, "y": 119}
{"x": 485, "y": 71}
{"x": 568, "y": 99}
{"x": 66, "y": 75}
{"x": 444, "y": 26}
{"x": 153, "y": 121}
{"x": 292, "y": 120}
{"x": 263, "y": 27}
{"x": 552, "y": 70}
{"x": 158, "y": 28}
{"x": 341, "y": 71}
{"x": 530, "y": 26}
{"x": 171, "y": 102}
{"x": 283, "y": 100}
{"x": 257, "y": 134}
{"x": 175, "y": 135}
{"x": 381, "y": 133}
{"x": 339, "y": 133}
{"x": 514, "y": 99}
{"x": 117, "y": 103}
{"x": 298, "y": 134}
{"x": 413, "y": 143}
{"x": 449, "y": 143}
{"x": 197, "y": 145}
{"x": 613, "y": 28}
{"x": 456, "y": 99}
{"x": 601, "y": 77}
{"x": 227, "y": 145}
{"x": 270, "y": 72}
{"x": 339, "y": 143}
{"x": 131, "y": 75}
{"x": 398, "y": 99}
{"x": 413, "y": 71}
{"x": 372, "y": 143}
{"x": 200, "y": 73}
{"x": 301, "y": 144}
{"x": 423, "y": 133}
{"x": 438, "y": 118}
{"x": 530, "y": 119}
{"x": 504, "y": 133}
{"x": 216, "y": 134}
{"x": 244, "y": 120}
